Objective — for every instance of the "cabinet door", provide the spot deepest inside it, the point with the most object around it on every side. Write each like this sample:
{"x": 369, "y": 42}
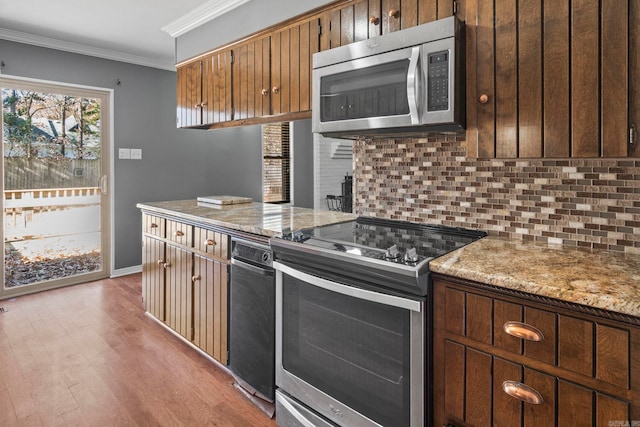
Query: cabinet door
{"x": 219, "y": 100}
{"x": 552, "y": 81}
{"x": 292, "y": 49}
{"x": 210, "y": 307}
{"x": 189, "y": 94}
{"x": 350, "y": 23}
{"x": 251, "y": 80}
{"x": 153, "y": 285}
{"x": 178, "y": 268}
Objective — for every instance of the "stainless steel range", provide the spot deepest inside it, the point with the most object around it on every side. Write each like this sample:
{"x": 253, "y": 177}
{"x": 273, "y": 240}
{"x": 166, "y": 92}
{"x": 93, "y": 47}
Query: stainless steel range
{"x": 352, "y": 321}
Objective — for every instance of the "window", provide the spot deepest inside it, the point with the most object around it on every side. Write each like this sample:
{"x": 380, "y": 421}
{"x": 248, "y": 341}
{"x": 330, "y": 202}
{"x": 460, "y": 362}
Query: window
{"x": 276, "y": 163}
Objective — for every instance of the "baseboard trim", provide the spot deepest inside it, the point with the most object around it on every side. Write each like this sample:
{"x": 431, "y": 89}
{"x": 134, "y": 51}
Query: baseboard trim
{"x": 126, "y": 271}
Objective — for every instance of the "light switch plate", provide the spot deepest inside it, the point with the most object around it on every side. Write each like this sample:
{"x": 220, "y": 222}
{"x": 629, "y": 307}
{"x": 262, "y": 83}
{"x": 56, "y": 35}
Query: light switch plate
{"x": 136, "y": 153}
{"x": 124, "y": 153}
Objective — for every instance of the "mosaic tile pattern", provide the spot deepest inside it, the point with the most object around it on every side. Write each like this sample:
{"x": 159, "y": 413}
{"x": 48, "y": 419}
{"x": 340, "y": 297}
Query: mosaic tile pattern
{"x": 591, "y": 203}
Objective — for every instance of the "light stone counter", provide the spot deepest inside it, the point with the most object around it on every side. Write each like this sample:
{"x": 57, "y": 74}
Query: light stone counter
{"x": 605, "y": 280}
{"x": 258, "y": 218}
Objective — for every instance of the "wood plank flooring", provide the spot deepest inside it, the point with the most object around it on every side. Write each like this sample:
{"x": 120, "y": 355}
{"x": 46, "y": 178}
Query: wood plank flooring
{"x": 87, "y": 355}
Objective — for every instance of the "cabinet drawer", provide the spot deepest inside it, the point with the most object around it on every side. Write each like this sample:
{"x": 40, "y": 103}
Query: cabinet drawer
{"x": 579, "y": 344}
{"x": 179, "y": 233}
{"x": 154, "y": 225}
{"x": 501, "y": 392}
{"x": 211, "y": 242}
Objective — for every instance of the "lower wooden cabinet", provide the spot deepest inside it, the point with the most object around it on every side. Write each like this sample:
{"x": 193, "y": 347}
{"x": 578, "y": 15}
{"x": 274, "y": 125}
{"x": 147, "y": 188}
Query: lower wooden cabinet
{"x": 185, "y": 282}
{"x": 210, "y": 314}
{"x": 502, "y": 360}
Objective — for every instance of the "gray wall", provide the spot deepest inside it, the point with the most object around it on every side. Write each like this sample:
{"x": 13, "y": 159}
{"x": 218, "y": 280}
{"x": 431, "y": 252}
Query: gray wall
{"x": 247, "y": 19}
{"x": 176, "y": 163}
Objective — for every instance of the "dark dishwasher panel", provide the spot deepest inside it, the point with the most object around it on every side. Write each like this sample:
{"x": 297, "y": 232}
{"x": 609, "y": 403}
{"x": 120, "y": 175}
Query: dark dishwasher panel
{"x": 252, "y": 320}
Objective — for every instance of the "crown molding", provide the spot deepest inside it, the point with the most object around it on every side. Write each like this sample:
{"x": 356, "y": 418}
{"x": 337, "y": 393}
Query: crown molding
{"x": 201, "y": 15}
{"x": 20, "y": 37}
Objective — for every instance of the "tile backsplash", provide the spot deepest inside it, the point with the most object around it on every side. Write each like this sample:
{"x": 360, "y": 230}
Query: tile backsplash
{"x": 588, "y": 203}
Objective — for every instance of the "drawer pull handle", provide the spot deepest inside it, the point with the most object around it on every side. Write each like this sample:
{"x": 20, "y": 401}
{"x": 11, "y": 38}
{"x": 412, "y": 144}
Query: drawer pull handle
{"x": 194, "y": 279}
{"x": 522, "y": 392}
{"x": 179, "y": 233}
{"x": 209, "y": 242}
{"x": 524, "y": 331}
{"x": 154, "y": 225}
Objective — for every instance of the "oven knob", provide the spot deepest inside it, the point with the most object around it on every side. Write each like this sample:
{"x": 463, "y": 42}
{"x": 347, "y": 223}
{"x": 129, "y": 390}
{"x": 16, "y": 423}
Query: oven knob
{"x": 411, "y": 255}
{"x": 392, "y": 253}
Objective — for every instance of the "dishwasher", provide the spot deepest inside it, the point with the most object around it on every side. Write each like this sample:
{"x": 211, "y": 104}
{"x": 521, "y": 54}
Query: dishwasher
{"x": 252, "y": 322}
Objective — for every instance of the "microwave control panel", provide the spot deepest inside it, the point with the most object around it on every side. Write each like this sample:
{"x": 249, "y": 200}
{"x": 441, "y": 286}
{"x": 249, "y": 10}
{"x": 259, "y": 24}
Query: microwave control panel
{"x": 438, "y": 81}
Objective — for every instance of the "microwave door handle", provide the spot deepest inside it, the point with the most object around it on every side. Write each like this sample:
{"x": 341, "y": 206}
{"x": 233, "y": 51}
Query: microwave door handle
{"x": 412, "y": 75}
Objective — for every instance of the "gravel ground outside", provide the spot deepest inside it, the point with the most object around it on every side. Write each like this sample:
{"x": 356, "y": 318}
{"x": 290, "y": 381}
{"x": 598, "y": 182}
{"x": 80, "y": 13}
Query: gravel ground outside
{"x": 20, "y": 270}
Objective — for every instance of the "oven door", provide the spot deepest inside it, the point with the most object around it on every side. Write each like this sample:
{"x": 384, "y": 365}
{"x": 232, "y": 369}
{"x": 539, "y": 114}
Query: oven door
{"x": 355, "y": 356}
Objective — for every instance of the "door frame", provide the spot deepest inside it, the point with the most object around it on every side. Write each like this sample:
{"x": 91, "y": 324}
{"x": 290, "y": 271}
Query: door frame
{"x": 107, "y": 200}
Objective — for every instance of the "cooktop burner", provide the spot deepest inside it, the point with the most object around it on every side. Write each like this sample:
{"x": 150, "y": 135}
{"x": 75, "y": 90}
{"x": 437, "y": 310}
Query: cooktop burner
{"x": 373, "y": 247}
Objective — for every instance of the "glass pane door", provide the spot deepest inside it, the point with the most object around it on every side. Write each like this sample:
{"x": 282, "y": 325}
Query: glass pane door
{"x": 376, "y": 91}
{"x": 54, "y": 184}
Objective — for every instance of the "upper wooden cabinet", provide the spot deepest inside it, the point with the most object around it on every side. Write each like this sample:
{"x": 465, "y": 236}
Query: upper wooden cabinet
{"x": 557, "y": 81}
{"x": 362, "y": 19}
{"x": 203, "y": 90}
{"x": 251, "y": 78}
{"x": 292, "y": 50}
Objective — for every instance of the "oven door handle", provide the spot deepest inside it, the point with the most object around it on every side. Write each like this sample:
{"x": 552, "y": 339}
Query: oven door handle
{"x": 352, "y": 291}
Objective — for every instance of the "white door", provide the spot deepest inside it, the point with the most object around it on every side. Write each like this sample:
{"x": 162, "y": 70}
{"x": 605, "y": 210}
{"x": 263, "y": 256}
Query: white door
{"x": 56, "y": 157}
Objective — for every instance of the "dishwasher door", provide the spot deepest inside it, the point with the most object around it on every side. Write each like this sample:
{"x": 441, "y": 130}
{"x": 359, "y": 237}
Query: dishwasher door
{"x": 252, "y": 319}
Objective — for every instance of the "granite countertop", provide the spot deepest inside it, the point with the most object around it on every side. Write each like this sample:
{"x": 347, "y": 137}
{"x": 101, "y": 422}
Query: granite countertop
{"x": 605, "y": 280}
{"x": 264, "y": 219}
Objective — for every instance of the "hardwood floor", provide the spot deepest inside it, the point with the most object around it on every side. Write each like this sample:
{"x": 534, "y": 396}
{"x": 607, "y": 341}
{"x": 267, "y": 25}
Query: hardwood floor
{"x": 87, "y": 355}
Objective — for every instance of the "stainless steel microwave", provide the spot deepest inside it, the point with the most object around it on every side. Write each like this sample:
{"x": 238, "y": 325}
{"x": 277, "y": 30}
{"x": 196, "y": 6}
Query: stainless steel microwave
{"x": 403, "y": 83}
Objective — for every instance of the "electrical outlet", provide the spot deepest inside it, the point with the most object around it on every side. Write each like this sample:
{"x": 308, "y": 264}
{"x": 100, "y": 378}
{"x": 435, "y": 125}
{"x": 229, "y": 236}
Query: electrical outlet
{"x": 136, "y": 153}
{"x": 124, "y": 153}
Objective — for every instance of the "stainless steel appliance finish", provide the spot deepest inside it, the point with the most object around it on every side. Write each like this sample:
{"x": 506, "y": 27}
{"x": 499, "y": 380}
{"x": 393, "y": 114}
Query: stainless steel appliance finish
{"x": 252, "y": 321}
{"x": 352, "y": 320}
{"x": 401, "y": 83}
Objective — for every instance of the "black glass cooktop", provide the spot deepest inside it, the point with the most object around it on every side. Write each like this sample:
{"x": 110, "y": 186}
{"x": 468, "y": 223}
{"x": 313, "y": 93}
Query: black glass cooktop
{"x": 399, "y": 242}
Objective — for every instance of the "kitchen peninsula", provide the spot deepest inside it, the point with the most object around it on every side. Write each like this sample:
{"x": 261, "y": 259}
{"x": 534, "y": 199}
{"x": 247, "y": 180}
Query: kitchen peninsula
{"x": 186, "y": 246}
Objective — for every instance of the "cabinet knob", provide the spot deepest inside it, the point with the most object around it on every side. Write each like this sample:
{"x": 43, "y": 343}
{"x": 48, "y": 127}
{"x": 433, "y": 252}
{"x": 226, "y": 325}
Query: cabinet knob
{"x": 179, "y": 233}
{"x": 264, "y": 92}
{"x": 154, "y": 225}
{"x": 195, "y": 278}
{"x": 197, "y": 105}
{"x": 166, "y": 265}
{"x": 484, "y": 98}
{"x": 160, "y": 262}
{"x": 374, "y": 20}
{"x": 203, "y": 104}
{"x": 275, "y": 89}
{"x": 209, "y": 242}
{"x": 394, "y": 13}
{"x": 523, "y": 331}
{"x": 522, "y": 392}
